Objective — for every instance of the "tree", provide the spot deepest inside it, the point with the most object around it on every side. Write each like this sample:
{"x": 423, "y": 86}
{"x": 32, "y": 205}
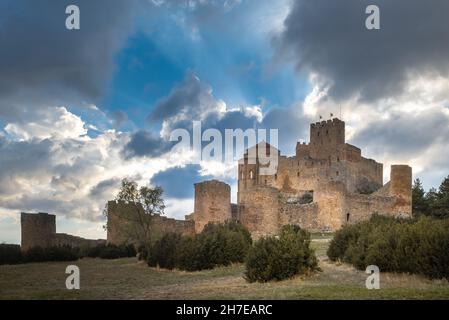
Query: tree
{"x": 143, "y": 204}
{"x": 420, "y": 205}
{"x": 441, "y": 207}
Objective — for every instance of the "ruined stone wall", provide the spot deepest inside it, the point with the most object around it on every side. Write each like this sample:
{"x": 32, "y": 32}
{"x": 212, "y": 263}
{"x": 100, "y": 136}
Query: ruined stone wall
{"x": 303, "y": 215}
{"x": 121, "y": 215}
{"x": 259, "y": 211}
{"x": 359, "y": 207}
{"x": 212, "y": 203}
{"x": 62, "y": 239}
{"x": 164, "y": 225}
{"x": 363, "y": 175}
{"x": 401, "y": 189}
{"x": 37, "y": 230}
{"x": 330, "y": 197}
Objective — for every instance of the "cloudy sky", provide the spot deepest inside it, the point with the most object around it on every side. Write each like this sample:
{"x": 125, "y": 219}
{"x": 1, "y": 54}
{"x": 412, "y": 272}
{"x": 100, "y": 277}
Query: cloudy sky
{"x": 80, "y": 110}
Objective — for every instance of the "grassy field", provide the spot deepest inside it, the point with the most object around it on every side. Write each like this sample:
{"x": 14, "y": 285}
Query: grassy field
{"x": 129, "y": 279}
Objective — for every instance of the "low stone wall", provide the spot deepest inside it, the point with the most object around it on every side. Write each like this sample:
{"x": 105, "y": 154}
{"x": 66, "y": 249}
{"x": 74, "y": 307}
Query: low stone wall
{"x": 62, "y": 239}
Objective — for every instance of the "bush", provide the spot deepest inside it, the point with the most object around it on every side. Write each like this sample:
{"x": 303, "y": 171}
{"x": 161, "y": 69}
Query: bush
{"x": 63, "y": 253}
{"x": 10, "y": 254}
{"x": 142, "y": 253}
{"x": 280, "y": 258}
{"x": 418, "y": 246}
{"x": 163, "y": 251}
{"x": 216, "y": 245}
{"x": 111, "y": 251}
{"x": 190, "y": 255}
{"x": 38, "y": 254}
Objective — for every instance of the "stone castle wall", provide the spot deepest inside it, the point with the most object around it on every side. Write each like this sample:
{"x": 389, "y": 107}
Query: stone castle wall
{"x": 62, "y": 239}
{"x": 259, "y": 211}
{"x": 39, "y": 230}
{"x": 121, "y": 215}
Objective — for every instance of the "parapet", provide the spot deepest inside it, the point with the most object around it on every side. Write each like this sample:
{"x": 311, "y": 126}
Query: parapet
{"x": 212, "y": 185}
{"x": 325, "y": 123}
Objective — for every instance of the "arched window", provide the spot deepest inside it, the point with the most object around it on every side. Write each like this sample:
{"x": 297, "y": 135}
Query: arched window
{"x": 251, "y": 175}
{"x": 348, "y": 215}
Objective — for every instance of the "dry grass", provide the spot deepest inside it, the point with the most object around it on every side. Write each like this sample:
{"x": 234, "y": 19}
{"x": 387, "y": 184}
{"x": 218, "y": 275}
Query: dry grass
{"x": 129, "y": 279}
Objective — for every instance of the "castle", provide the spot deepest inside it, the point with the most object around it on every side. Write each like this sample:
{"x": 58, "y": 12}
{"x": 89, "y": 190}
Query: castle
{"x": 325, "y": 185}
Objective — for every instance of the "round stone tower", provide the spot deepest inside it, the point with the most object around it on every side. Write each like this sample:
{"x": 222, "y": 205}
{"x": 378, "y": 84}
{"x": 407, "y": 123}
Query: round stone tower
{"x": 212, "y": 203}
{"x": 401, "y": 188}
{"x": 38, "y": 230}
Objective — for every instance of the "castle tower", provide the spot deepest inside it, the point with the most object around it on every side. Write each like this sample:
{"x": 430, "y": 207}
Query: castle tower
{"x": 251, "y": 168}
{"x": 37, "y": 230}
{"x": 212, "y": 203}
{"x": 326, "y": 137}
{"x": 401, "y": 188}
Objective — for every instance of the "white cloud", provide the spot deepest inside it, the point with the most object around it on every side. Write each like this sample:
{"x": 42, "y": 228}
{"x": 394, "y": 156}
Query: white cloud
{"x": 57, "y": 123}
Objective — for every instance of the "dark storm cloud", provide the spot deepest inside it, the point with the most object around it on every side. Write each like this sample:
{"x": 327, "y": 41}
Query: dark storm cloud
{"x": 119, "y": 118}
{"x": 145, "y": 143}
{"x": 192, "y": 100}
{"x": 40, "y": 57}
{"x": 330, "y": 38}
{"x": 104, "y": 186}
{"x": 191, "y": 96}
{"x": 404, "y": 135}
{"x": 292, "y": 126}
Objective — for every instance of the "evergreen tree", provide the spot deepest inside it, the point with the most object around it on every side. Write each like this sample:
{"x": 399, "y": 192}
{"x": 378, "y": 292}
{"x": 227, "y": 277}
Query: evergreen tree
{"x": 420, "y": 205}
{"x": 442, "y": 201}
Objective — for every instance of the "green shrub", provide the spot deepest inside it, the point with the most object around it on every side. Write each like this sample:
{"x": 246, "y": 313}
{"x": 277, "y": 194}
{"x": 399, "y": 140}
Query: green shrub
{"x": 190, "y": 255}
{"x": 111, "y": 251}
{"x": 35, "y": 254}
{"x": 277, "y": 258}
{"x": 10, "y": 254}
{"x": 216, "y": 245}
{"x": 142, "y": 253}
{"x": 419, "y": 246}
{"x": 163, "y": 251}
{"x": 63, "y": 253}
{"x": 38, "y": 254}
